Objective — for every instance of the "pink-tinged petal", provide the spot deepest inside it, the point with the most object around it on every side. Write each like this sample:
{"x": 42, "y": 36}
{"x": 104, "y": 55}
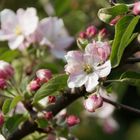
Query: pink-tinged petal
{"x": 28, "y": 20}
{"x": 92, "y": 82}
{"x": 73, "y": 68}
{"x": 51, "y": 27}
{"x": 5, "y": 36}
{"x": 74, "y": 57}
{"x": 16, "y": 42}
{"x": 77, "y": 80}
{"x": 104, "y": 69}
{"x": 8, "y": 20}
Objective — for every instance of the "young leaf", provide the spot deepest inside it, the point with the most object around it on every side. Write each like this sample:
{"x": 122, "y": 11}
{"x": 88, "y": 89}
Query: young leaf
{"x": 123, "y": 37}
{"x": 132, "y": 78}
{"x": 14, "y": 122}
{"x": 57, "y": 83}
{"x": 15, "y": 102}
{"x": 9, "y": 55}
{"x": 6, "y": 106}
{"x": 107, "y": 14}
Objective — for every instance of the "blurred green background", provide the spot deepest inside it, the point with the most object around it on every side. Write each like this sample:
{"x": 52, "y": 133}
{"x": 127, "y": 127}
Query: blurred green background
{"x": 77, "y": 15}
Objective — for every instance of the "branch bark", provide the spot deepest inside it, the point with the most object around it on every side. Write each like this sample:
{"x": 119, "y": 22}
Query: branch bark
{"x": 63, "y": 101}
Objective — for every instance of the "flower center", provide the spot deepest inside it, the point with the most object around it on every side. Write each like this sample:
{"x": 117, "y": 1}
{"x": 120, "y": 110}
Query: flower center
{"x": 88, "y": 68}
{"x": 18, "y": 30}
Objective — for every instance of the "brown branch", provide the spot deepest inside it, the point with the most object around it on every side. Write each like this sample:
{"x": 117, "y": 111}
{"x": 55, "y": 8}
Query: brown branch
{"x": 63, "y": 101}
{"x": 122, "y": 106}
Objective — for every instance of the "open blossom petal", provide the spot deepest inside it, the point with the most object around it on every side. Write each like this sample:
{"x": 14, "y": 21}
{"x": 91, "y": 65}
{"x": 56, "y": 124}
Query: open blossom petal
{"x": 74, "y": 57}
{"x": 17, "y": 28}
{"x": 55, "y": 35}
{"x": 28, "y": 20}
{"x": 104, "y": 69}
{"x": 92, "y": 82}
{"x": 15, "y": 42}
{"x": 99, "y": 50}
{"x": 8, "y": 19}
{"x": 77, "y": 80}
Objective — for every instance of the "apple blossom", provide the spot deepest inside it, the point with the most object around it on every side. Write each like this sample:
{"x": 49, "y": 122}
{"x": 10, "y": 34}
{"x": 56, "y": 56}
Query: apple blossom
{"x": 102, "y": 33}
{"x": 91, "y": 31}
{"x": 93, "y": 102}
{"x": 34, "y": 85}
{"x": 136, "y": 8}
{"x": 48, "y": 115}
{"x": 44, "y": 75}
{"x": 85, "y": 69}
{"x": 72, "y": 120}
{"x": 100, "y": 50}
{"x": 55, "y": 36}
{"x": 6, "y": 70}
{"x": 17, "y": 27}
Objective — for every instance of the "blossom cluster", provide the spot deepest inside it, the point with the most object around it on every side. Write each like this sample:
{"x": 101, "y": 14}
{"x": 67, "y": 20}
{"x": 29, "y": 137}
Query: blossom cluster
{"x": 23, "y": 28}
{"x": 88, "y": 66}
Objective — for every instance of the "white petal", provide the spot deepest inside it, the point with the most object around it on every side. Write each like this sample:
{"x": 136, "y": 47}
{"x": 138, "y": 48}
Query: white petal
{"x": 74, "y": 57}
{"x": 77, "y": 80}
{"x": 92, "y": 82}
{"x": 104, "y": 69}
{"x": 8, "y": 20}
{"x": 28, "y": 20}
{"x": 16, "y": 42}
{"x": 5, "y": 36}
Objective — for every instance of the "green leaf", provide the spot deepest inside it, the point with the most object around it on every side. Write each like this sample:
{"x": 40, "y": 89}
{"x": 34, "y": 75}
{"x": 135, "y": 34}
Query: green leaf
{"x": 14, "y": 122}
{"x": 131, "y": 78}
{"x": 42, "y": 123}
{"x": 6, "y": 106}
{"x": 123, "y": 37}
{"x": 10, "y": 104}
{"x": 56, "y": 84}
{"x": 14, "y": 102}
{"x": 9, "y": 55}
{"x": 107, "y": 14}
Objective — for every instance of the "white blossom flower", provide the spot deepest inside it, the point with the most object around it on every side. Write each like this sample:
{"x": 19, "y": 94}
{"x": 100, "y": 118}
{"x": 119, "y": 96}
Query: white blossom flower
{"x": 16, "y": 27}
{"x": 85, "y": 69}
{"x": 55, "y": 36}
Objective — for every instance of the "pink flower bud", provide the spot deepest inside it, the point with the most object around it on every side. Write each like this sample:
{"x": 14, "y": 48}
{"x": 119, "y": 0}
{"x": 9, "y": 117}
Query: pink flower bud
{"x": 103, "y": 50}
{"x": 115, "y": 20}
{"x": 6, "y": 70}
{"x": 51, "y": 99}
{"x": 44, "y": 75}
{"x": 136, "y": 8}
{"x": 34, "y": 85}
{"x": 102, "y": 33}
{"x": 72, "y": 120}
{"x": 1, "y": 119}
{"x": 83, "y": 35}
{"x": 3, "y": 83}
{"x": 93, "y": 102}
{"x": 91, "y": 31}
{"x": 48, "y": 115}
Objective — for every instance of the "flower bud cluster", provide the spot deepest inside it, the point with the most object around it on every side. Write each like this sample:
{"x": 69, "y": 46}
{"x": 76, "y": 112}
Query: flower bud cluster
{"x": 42, "y": 76}
{"x": 6, "y": 72}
